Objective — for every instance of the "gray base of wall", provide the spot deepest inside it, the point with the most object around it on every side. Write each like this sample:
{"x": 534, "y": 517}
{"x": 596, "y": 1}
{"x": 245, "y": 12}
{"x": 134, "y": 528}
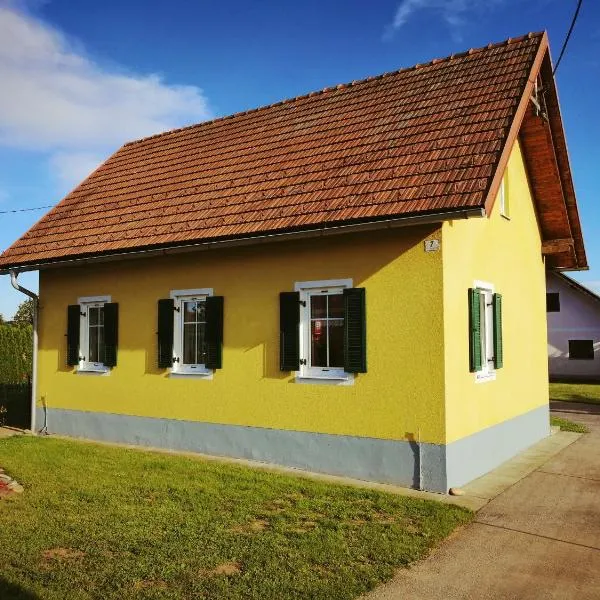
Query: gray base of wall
{"x": 431, "y": 467}
{"x": 475, "y": 455}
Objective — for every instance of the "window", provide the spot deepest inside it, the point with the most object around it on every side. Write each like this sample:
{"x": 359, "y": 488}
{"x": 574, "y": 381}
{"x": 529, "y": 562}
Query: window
{"x": 92, "y": 326}
{"x": 190, "y": 332}
{"x": 485, "y": 323}
{"x": 581, "y": 349}
{"x": 504, "y": 198}
{"x": 552, "y": 302}
{"x": 324, "y": 324}
{"x": 189, "y": 329}
{"x": 323, "y": 331}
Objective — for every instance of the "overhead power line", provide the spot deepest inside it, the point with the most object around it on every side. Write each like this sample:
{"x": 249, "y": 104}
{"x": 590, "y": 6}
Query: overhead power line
{"x": 567, "y": 38}
{"x": 18, "y": 210}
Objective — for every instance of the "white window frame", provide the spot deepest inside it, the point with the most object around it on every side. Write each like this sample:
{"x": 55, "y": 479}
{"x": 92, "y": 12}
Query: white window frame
{"x": 85, "y": 303}
{"x": 504, "y": 201}
{"x": 487, "y": 371}
{"x": 179, "y": 369}
{"x": 308, "y": 373}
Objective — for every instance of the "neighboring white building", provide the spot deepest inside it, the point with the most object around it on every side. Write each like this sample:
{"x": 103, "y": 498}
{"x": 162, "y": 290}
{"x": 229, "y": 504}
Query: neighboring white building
{"x": 573, "y": 329}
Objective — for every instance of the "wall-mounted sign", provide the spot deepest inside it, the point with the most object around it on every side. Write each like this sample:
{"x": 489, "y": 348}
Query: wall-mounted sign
{"x": 432, "y": 245}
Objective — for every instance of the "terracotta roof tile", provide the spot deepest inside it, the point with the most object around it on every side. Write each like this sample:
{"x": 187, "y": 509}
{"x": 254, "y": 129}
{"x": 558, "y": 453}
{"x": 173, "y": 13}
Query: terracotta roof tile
{"x": 423, "y": 139}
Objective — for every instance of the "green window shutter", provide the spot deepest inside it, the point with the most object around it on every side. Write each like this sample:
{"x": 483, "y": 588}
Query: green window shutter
{"x": 289, "y": 331}
{"x": 111, "y": 333}
{"x": 355, "y": 331}
{"x": 166, "y": 309}
{"x": 214, "y": 332}
{"x": 474, "y": 330}
{"x": 498, "y": 357}
{"x": 73, "y": 324}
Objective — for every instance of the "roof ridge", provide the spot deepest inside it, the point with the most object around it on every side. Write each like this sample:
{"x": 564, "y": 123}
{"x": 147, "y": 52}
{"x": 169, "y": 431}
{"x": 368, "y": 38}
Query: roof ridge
{"x": 340, "y": 86}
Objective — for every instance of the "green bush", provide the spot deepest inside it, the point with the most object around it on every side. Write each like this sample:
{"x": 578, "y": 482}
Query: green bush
{"x": 16, "y": 349}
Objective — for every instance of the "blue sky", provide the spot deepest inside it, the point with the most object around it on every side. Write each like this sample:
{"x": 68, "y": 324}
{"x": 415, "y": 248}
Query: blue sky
{"x": 77, "y": 79}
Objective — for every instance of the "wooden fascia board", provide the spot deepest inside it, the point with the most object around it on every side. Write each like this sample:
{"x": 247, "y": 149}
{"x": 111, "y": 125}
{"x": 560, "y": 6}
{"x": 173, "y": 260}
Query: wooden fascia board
{"x": 516, "y": 125}
{"x": 557, "y": 246}
{"x": 563, "y": 164}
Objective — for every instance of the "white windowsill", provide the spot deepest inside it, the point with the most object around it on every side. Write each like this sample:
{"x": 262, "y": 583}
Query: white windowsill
{"x": 481, "y": 377}
{"x": 347, "y": 379}
{"x": 93, "y": 370}
{"x": 196, "y": 374}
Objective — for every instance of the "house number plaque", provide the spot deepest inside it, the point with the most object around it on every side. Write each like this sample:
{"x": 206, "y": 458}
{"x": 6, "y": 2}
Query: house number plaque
{"x": 432, "y": 245}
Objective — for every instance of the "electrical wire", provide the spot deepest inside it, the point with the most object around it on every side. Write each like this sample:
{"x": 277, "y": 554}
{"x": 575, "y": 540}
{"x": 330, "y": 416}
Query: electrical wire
{"x": 18, "y": 210}
{"x": 567, "y": 38}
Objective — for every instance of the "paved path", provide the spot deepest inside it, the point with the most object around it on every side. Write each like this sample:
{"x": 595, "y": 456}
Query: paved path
{"x": 539, "y": 539}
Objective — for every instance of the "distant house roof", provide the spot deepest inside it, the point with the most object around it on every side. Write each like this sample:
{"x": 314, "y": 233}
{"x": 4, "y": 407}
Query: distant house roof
{"x": 429, "y": 140}
{"x": 578, "y": 287}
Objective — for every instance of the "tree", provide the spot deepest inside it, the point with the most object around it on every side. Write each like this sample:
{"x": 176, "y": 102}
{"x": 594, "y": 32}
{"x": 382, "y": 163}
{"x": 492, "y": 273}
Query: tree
{"x": 1, "y": 319}
{"x": 24, "y": 314}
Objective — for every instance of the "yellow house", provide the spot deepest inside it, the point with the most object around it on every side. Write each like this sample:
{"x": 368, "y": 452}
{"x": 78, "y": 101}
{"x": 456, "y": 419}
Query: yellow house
{"x": 351, "y": 281}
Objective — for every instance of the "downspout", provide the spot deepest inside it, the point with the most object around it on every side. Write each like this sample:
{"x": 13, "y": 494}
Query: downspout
{"x": 35, "y": 298}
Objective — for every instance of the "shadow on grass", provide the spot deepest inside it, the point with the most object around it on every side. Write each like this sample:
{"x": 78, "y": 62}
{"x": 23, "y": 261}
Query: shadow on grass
{"x": 576, "y": 408}
{"x": 10, "y": 591}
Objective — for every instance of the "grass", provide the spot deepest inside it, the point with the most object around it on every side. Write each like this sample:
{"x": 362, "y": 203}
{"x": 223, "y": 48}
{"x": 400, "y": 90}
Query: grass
{"x": 576, "y": 392}
{"x": 566, "y": 425}
{"x": 97, "y": 522}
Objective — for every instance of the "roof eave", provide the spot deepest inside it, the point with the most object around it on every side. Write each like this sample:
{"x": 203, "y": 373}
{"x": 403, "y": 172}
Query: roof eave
{"x": 326, "y": 230}
{"x": 574, "y": 258}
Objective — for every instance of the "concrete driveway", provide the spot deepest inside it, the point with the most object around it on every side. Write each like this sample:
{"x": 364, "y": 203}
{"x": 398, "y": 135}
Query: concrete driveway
{"x": 539, "y": 539}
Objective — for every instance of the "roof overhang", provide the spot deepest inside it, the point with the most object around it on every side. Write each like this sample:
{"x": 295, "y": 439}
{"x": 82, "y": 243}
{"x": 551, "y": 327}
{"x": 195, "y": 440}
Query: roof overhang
{"x": 327, "y": 230}
{"x": 539, "y": 128}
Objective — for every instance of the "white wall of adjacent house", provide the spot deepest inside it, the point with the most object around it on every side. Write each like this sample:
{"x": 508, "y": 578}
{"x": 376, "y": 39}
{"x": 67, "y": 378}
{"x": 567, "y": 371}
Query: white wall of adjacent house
{"x": 573, "y": 331}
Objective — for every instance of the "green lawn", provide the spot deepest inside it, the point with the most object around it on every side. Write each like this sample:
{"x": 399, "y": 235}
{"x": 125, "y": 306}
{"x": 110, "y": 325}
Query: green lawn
{"x": 566, "y": 425}
{"x": 102, "y": 522}
{"x": 576, "y": 392}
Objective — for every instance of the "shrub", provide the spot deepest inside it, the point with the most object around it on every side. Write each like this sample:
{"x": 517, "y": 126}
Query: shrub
{"x": 16, "y": 349}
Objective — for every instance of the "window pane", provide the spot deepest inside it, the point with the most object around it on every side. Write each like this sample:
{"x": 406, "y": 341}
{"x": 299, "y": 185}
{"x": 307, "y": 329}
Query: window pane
{"x": 336, "y": 306}
{"x": 101, "y": 346}
{"x": 483, "y": 330}
{"x": 336, "y": 343}
{"x": 189, "y": 312}
{"x": 200, "y": 311}
{"x": 93, "y": 349}
{"x": 318, "y": 307}
{"x": 552, "y": 302}
{"x": 318, "y": 345}
{"x": 581, "y": 349}
{"x": 93, "y": 315}
{"x": 189, "y": 343}
{"x": 201, "y": 343}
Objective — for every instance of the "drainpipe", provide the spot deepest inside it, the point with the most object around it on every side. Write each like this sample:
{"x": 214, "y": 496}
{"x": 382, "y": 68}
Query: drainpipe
{"x": 34, "y": 297}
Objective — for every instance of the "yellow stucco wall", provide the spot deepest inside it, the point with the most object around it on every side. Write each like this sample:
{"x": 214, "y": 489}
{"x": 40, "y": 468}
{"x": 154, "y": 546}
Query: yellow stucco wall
{"x": 401, "y": 395}
{"x": 506, "y": 253}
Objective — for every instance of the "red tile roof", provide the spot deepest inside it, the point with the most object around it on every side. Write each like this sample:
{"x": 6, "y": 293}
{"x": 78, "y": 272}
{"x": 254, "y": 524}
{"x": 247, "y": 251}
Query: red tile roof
{"x": 422, "y": 140}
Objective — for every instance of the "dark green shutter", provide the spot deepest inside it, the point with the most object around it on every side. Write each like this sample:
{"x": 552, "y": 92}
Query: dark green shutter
{"x": 166, "y": 308}
{"x": 474, "y": 330}
{"x": 111, "y": 333}
{"x": 73, "y": 324}
{"x": 355, "y": 331}
{"x": 498, "y": 362}
{"x": 289, "y": 331}
{"x": 214, "y": 332}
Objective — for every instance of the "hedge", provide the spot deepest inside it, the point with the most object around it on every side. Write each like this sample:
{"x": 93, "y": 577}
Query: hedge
{"x": 16, "y": 349}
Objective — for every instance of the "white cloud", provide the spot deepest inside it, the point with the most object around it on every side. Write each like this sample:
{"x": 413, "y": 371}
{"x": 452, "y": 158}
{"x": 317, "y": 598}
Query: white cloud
{"x": 70, "y": 168}
{"x": 453, "y": 12}
{"x": 57, "y": 100}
